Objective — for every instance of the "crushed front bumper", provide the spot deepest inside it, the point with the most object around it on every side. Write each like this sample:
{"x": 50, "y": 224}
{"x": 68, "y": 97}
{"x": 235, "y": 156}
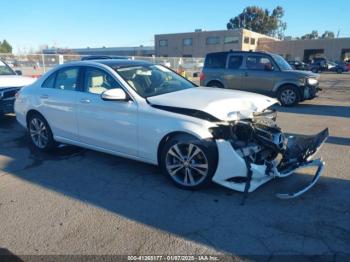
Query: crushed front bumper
{"x": 232, "y": 171}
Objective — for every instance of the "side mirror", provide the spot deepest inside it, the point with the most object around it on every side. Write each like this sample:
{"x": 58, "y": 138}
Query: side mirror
{"x": 18, "y": 72}
{"x": 115, "y": 94}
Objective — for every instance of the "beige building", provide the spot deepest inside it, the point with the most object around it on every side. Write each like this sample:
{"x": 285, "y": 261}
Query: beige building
{"x": 337, "y": 49}
{"x": 199, "y": 43}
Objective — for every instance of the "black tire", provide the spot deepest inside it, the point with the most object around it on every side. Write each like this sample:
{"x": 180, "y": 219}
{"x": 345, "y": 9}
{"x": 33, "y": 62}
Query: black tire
{"x": 288, "y": 91}
{"x": 215, "y": 84}
{"x": 46, "y": 145}
{"x": 209, "y": 157}
{"x": 339, "y": 71}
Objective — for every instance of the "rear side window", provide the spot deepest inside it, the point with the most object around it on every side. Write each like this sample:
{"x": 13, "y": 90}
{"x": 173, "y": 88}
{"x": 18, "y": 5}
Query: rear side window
{"x": 217, "y": 60}
{"x": 67, "y": 79}
{"x": 235, "y": 61}
{"x": 49, "y": 82}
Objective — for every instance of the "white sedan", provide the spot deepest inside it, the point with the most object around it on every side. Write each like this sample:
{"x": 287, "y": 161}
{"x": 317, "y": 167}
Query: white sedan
{"x": 147, "y": 112}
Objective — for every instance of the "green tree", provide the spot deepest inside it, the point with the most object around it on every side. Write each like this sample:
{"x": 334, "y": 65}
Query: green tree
{"x": 5, "y": 47}
{"x": 260, "y": 20}
{"x": 328, "y": 34}
{"x": 312, "y": 35}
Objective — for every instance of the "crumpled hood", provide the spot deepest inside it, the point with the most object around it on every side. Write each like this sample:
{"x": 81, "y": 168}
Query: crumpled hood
{"x": 15, "y": 81}
{"x": 226, "y": 105}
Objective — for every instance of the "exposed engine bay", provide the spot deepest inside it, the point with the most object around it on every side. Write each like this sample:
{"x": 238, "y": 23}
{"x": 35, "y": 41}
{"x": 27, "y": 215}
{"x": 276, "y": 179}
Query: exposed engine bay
{"x": 268, "y": 152}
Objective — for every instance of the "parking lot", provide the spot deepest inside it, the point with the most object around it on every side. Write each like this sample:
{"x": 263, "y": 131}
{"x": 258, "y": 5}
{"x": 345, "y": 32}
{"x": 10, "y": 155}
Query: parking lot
{"x": 77, "y": 201}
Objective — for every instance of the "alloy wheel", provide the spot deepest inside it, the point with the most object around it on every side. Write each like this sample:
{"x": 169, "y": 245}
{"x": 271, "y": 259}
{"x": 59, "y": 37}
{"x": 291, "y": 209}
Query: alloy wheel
{"x": 187, "y": 164}
{"x": 288, "y": 96}
{"x": 38, "y": 133}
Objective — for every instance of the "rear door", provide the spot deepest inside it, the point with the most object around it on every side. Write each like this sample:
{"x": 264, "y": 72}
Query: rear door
{"x": 233, "y": 73}
{"x": 57, "y": 99}
{"x": 259, "y": 74}
{"x": 110, "y": 125}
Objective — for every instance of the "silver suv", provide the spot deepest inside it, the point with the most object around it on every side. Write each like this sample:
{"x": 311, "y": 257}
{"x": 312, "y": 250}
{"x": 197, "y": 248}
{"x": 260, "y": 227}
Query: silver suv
{"x": 259, "y": 72}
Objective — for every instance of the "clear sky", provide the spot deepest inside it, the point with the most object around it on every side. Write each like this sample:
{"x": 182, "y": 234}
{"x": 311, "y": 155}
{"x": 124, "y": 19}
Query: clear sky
{"x": 95, "y": 23}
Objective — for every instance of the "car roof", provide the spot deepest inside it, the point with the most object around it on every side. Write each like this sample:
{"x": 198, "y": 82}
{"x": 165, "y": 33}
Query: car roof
{"x": 239, "y": 52}
{"x": 113, "y": 63}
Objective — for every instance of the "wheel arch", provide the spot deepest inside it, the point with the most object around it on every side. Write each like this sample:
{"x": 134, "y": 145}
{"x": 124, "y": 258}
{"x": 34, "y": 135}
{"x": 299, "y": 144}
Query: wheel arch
{"x": 211, "y": 82}
{"x": 278, "y": 87}
{"x": 167, "y": 137}
{"x": 32, "y": 112}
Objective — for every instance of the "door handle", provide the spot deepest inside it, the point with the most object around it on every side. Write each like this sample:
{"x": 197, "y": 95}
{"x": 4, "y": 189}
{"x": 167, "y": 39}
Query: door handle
{"x": 85, "y": 101}
{"x": 44, "y": 96}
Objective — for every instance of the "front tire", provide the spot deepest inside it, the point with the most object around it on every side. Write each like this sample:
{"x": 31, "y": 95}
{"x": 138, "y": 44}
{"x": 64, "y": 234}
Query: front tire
{"x": 40, "y": 133}
{"x": 288, "y": 95}
{"x": 188, "y": 163}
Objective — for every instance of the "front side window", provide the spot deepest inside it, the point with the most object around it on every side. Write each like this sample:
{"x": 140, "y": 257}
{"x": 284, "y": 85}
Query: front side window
{"x": 5, "y": 69}
{"x": 187, "y": 42}
{"x": 259, "y": 63}
{"x": 67, "y": 79}
{"x": 246, "y": 40}
{"x": 153, "y": 80}
{"x": 235, "y": 61}
{"x": 97, "y": 81}
{"x": 163, "y": 42}
{"x": 213, "y": 40}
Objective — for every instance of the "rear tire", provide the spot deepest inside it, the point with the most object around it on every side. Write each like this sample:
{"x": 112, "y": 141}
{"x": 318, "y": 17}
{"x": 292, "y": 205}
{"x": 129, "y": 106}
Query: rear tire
{"x": 188, "y": 163}
{"x": 40, "y": 133}
{"x": 288, "y": 95}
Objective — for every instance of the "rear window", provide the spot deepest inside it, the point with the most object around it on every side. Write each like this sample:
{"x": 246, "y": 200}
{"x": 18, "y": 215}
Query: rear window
{"x": 217, "y": 60}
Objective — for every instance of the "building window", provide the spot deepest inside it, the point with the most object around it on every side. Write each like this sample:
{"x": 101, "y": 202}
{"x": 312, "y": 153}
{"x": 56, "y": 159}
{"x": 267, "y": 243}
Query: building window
{"x": 231, "y": 40}
{"x": 213, "y": 40}
{"x": 163, "y": 42}
{"x": 246, "y": 40}
{"x": 187, "y": 41}
{"x": 186, "y": 55}
{"x": 252, "y": 41}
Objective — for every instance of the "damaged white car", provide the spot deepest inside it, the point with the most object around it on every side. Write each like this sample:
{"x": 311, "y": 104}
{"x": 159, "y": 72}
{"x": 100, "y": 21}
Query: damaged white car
{"x": 147, "y": 112}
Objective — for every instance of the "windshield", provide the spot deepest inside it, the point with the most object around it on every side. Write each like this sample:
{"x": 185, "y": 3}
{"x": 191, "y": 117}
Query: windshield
{"x": 153, "y": 80}
{"x": 5, "y": 69}
{"x": 283, "y": 64}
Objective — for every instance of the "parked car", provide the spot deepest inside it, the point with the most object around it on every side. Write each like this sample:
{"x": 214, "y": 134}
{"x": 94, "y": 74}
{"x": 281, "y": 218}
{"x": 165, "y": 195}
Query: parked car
{"x": 339, "y": 68}
{"x": 10, "y": 82}
{"x": 298, "y": 65}
{"x": 99, "y": 57}
{"x": 259, "y": 72}
{"x": 147, "y": 112}
{"x": 328, "y": 66}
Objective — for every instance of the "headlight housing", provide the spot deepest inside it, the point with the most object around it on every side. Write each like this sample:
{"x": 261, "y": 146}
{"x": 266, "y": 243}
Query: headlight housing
{"x": 312, "y": 81}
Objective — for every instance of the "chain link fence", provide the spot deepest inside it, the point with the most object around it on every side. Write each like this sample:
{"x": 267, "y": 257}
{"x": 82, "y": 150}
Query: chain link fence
{"x": 37, "y": 64}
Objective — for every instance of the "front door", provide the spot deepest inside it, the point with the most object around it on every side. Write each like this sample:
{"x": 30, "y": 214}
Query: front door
{"x": 259, "y": 74}
{"x": 110, "y": 125}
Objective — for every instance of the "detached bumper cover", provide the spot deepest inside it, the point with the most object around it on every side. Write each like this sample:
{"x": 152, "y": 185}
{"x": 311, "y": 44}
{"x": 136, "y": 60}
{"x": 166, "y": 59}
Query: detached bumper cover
{"x": 232, "y": 170}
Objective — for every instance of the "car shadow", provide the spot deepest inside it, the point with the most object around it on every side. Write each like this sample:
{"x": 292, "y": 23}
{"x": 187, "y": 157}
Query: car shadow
{"x": 213, "y": 216}
{"x": 321, "y": 110}
{"x": 7, "y": 256}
